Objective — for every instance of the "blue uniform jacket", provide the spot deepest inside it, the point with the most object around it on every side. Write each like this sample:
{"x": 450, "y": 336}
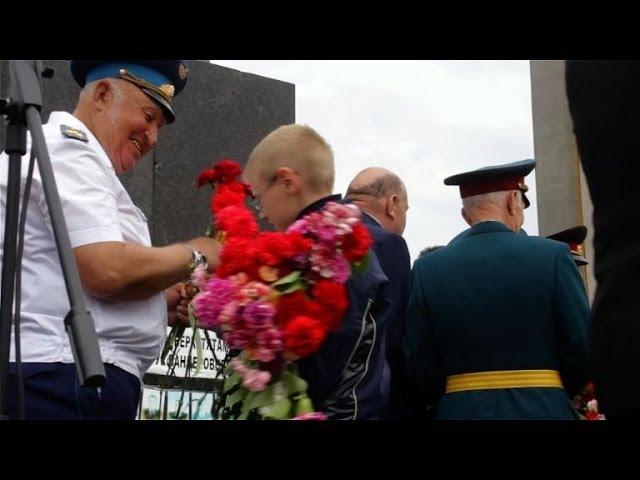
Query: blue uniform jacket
{"x": 494, "y": 300}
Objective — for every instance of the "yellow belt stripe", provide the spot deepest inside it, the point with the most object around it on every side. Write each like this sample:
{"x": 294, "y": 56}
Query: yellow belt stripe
{"x": 503, "y": 379}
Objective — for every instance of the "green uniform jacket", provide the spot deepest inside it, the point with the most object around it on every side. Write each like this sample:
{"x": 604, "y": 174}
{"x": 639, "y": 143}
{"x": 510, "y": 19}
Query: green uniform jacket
{"x": 495, "y": 300}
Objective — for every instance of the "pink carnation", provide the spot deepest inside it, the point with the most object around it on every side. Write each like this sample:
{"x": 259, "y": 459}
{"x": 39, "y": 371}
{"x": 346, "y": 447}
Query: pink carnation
{"x": 256, "y": 380}
{"x": 254, "y": 290}
{"x": 311, "y": 416}
{"x": 270, "y": 339}
{"x": 209, "y": 303}
{"x": 236, "y": 339}
{"x": 228, "y": 313}
{"x": 341, "y": 217}
{"x": 305, "y": 224}
{"x": 259, "y": 315}
{"x": 238, "y": 366}
{"x": 330, "y": 264}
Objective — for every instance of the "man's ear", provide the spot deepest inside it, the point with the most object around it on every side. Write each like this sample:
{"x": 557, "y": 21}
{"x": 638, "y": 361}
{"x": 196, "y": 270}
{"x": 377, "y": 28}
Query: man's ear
{"x": 391, "y": 206}
{"x": 512, "y": 203}
{"x": 290, "y": 179}
{"x": 465, "y": 216}
{"x": 102, "y": 95}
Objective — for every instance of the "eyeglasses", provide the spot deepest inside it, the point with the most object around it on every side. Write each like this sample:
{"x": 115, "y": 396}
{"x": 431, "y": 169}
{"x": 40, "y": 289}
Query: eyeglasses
{"x": 254, "y": 202}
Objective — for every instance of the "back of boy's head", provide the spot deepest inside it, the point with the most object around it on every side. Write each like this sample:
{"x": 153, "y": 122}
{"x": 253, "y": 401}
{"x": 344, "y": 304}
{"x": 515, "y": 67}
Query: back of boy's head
{"x": 300, "y": 148}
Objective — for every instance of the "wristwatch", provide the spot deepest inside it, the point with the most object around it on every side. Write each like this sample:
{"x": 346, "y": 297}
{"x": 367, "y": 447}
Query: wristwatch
{"x": 197, "y": 259}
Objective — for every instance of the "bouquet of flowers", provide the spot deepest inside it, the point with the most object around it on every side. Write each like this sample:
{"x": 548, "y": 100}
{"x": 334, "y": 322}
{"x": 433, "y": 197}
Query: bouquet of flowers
{"x": 586, "y": 405}
{"x": 274, "y": 296}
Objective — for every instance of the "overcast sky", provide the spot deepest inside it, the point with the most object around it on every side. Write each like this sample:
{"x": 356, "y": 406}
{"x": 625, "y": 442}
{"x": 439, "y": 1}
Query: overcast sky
{"x": 424, "y": 120}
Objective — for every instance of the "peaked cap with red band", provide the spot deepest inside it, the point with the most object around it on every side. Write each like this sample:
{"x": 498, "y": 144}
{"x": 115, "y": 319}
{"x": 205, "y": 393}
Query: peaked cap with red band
{"x": 574, "y": 237}
{"x": 496, "y": 178}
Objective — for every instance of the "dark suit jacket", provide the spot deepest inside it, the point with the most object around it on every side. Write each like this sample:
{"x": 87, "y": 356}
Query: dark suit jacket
{"x": 393, "y": 255}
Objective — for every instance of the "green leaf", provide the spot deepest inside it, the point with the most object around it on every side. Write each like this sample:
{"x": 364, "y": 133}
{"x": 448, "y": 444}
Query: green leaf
{"x": 237, "y": 396}
{"x": 289, "y": 283}
{"x": 257, "y": 400}
{"x": 192, "y": 318}
{"x": 288, "y": 279}
{"x": 294, "y": 383}
{"x": 193, "y": 322}
{"x": 296, "y": 286}
{"x": 199, "y": 355}
{"x": 267, "y": 404}
{"x": 277, "y": 410}
{"x": 245, "y": 409}
{"x": 229, "y": 370}
{"x": 303, "y": 405}
{"x": 231, "y": 381}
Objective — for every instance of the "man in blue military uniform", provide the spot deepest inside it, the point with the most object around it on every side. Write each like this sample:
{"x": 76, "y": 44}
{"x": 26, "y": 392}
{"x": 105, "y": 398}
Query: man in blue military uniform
{"x": 427, "y": 250}
{"x": 497, "y": 321}
{"x": 129, "y": 285}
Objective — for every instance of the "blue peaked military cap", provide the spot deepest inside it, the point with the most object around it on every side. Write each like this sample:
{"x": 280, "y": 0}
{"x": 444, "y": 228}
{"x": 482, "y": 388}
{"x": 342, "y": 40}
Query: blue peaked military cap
{"x": 496, "y": 178}
{"x": 159, "y": 79}
{"x": 574, "y": 237}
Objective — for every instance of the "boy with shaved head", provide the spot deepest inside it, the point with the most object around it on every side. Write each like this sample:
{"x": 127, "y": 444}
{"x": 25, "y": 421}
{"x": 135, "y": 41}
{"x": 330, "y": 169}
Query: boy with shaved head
{"x": 291, "y": 173}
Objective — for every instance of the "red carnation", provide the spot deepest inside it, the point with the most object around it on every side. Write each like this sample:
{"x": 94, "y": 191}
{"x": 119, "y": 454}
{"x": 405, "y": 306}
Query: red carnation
{"x": 208, "y": 175}
{"x": 237, "y": 187}
{"x": 592, "y": 415}
{"x": 237, "y": 255}
{"x": 292, "y": 305}
{"x": 273, "y": 247}
{"x": 231, "y": 194}
{"x": 299, "y": 243}
{"x": 332, "y": 298}
{"x": 227, "y": 171}
{"x": 303, "y": 335}
{"x": 236, "y": 222}
{"x": 356, "y": 244}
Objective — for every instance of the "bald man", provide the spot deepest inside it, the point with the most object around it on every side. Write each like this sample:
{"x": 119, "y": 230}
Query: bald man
{"x": 383, "y": 199}
{"x": 382, "y": 196}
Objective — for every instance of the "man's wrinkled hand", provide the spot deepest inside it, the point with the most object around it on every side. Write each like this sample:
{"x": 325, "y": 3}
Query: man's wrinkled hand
{"x": 178, "y": 297}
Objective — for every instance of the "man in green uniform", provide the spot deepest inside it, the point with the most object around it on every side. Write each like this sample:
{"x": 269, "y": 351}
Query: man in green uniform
{"x": 574, "y": 238}
{"x": 497, "y": 321}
